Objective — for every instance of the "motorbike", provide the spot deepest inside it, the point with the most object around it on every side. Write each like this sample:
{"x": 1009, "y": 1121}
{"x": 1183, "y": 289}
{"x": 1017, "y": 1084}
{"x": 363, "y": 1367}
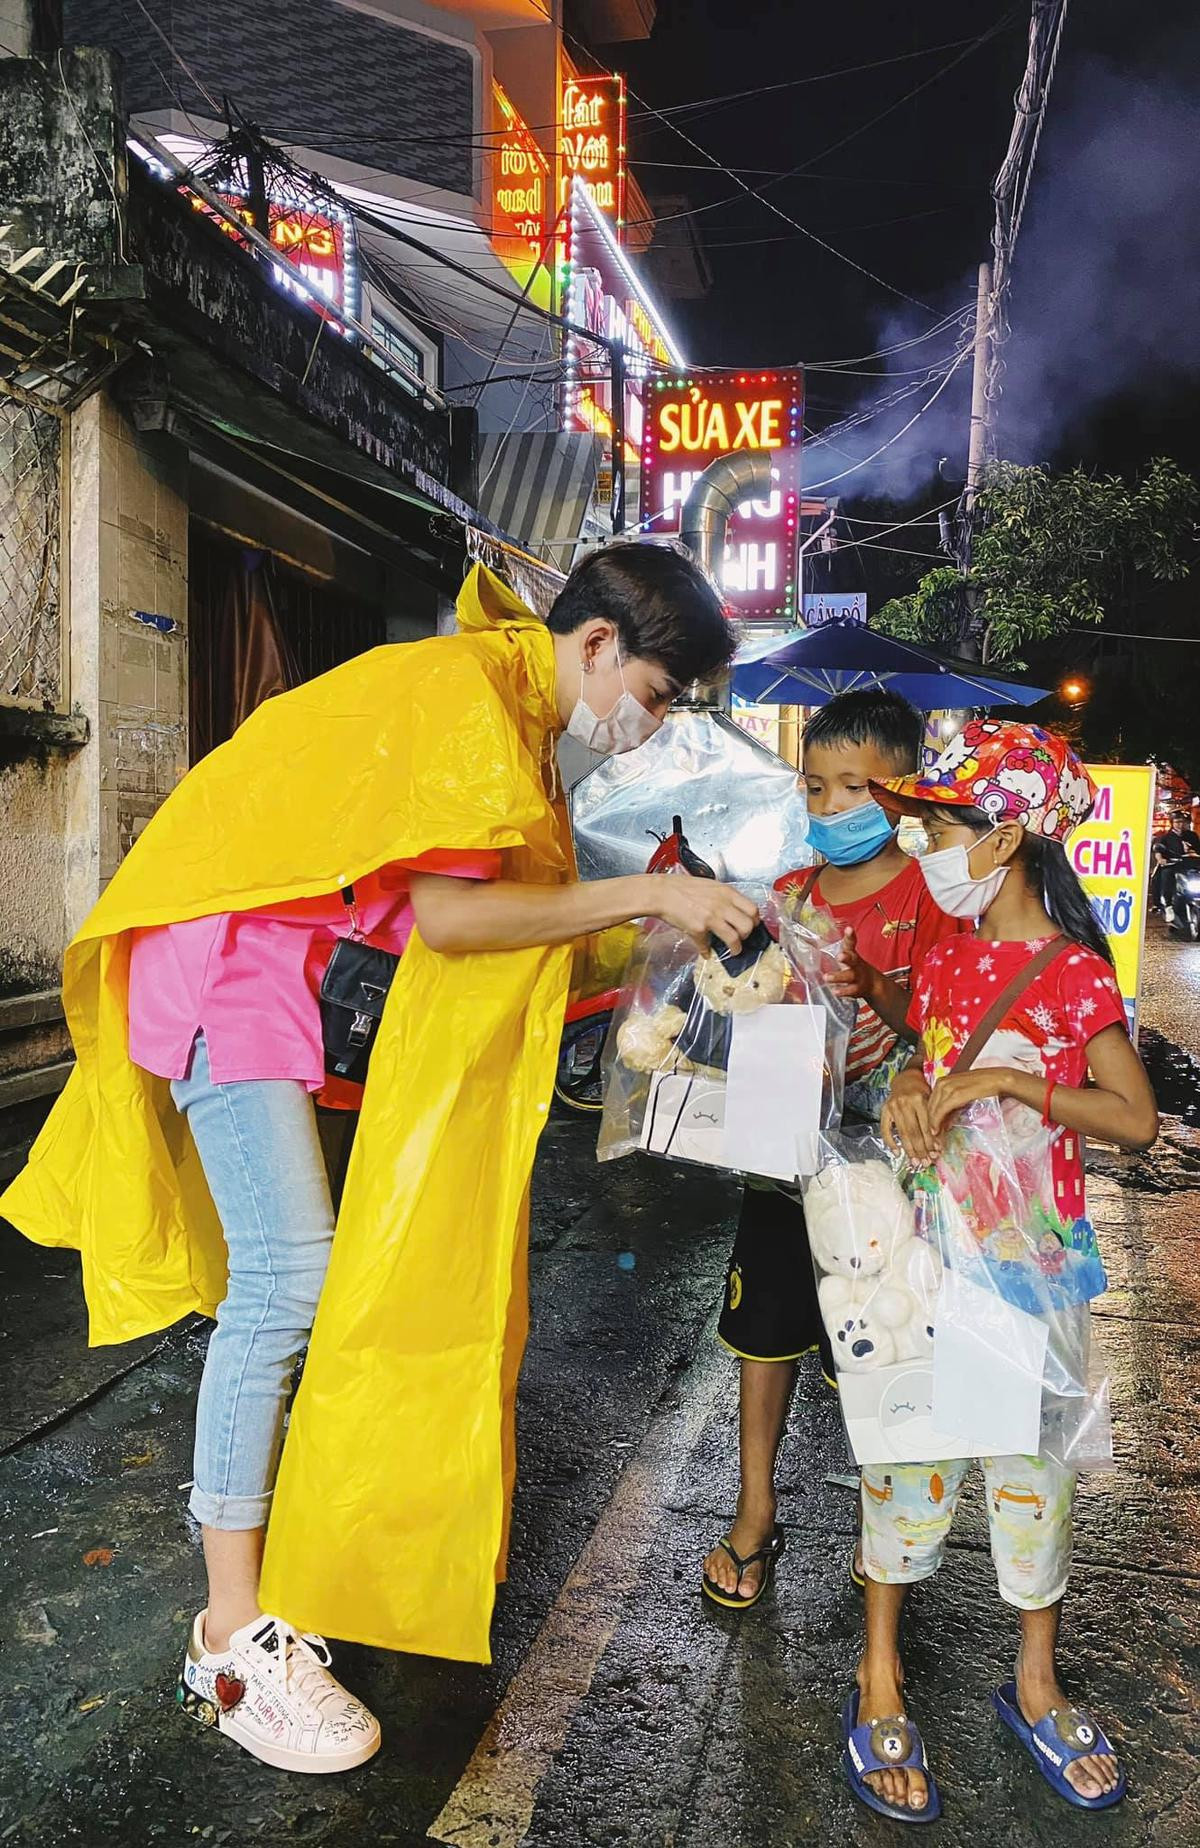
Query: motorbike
{"x": 579, "y": 1079}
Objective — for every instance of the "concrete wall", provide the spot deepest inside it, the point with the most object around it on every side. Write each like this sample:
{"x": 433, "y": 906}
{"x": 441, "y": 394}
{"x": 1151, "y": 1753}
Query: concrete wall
{"x": 33, "y": 802}
{"x": 60, "y": 141}
{"x": 69, "y": 818}
{"x": 142, "y": 705}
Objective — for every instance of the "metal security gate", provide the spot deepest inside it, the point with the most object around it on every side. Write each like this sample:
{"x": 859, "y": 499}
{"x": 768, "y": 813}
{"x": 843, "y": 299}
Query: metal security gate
{"x": 31, "y": 483}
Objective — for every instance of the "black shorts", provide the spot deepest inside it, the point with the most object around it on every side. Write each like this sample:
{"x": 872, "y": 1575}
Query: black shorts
{"x": 771, "y": 1310}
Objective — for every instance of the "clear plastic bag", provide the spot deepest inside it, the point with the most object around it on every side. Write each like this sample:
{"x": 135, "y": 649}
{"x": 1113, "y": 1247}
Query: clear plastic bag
{"x": 956, "y": 1299}
{"x": 877, "y": 1285}
{"x": 1015, "y": 1322}
{"x": 731, "y": 1061}
{"x": 865, "y": 1098}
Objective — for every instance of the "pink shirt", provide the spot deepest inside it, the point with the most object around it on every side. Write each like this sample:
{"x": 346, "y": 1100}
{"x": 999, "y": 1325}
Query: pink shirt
{"x": 250, "y": 980}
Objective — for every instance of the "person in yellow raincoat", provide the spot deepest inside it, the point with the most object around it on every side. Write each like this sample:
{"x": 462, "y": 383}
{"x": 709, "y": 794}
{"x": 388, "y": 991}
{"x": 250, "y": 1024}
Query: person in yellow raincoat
{"x": 410, "y": 792}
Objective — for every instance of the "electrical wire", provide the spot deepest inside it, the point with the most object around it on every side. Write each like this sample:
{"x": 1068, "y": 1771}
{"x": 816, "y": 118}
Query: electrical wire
{"x": 182, "y": 62}
{"x": 792, "y": 237}
{"x": 984, "y": 38}
{"x": 777, "y": 173}
{"x": 483, "y": 139}
{"x": 803, "y": 166}
{"x": 1010, "y": 192}
{"x": 519, "y": 303}
{"x": 962, "y": 315}
{"x": 866, "y": 413}
{"x": 920, "y": 519}
{"x": 900, "y": 551}
{"x": 749, "y": 191}
{"x": 1019, "y": 213}
{"x": 657, "y": 114}
{"x": 812, "y": 486}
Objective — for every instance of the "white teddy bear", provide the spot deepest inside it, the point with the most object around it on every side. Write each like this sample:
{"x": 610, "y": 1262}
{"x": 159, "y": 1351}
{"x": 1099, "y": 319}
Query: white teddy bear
{"x": 878, "y": 1278}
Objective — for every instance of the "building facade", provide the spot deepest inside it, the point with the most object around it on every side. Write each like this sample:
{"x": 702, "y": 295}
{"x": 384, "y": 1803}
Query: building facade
{"x": 279, "y": 299}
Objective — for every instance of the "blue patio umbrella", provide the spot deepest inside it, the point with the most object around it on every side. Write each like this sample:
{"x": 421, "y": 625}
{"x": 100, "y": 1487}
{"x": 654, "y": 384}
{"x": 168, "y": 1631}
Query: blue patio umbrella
{"x": 812, "y": 666}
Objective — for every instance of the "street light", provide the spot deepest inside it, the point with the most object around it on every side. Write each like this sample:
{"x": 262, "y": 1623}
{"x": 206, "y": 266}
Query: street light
{"x": 1073, "y": 691}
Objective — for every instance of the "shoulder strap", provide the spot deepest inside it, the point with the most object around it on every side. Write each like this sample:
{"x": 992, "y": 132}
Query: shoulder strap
{"x": 804, "y": 889}
{"x": 1004, "y": 1000}
{"x": 351, "y": 903}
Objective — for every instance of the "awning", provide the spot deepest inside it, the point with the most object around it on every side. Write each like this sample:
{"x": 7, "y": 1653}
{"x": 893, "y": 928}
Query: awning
{"x": 429, "y": 526}
{"x": 539, "y": 487}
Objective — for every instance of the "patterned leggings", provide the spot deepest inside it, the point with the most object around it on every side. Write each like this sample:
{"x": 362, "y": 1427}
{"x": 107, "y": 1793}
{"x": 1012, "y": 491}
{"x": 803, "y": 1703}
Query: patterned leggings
{"x": 908, "y": 1511}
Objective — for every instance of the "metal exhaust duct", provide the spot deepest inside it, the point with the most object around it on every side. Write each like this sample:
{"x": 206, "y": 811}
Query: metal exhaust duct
{"x": 724, "y": 484}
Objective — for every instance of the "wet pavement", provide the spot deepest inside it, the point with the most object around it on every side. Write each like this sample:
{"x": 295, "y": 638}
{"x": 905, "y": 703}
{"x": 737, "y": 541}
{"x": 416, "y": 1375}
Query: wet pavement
{"x": 619, "y": 1709}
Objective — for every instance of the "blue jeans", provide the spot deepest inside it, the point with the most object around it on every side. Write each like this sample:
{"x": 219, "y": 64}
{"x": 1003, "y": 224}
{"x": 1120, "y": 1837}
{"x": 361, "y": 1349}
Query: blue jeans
{"x": 261, "y": 1156}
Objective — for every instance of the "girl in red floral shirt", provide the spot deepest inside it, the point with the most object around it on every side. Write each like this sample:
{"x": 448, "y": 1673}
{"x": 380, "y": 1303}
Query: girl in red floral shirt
{"x": 997, "y": 808}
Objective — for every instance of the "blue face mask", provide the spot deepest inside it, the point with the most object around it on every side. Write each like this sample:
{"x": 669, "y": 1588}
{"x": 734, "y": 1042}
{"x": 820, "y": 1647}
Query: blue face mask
{"x": 852, "y": 836}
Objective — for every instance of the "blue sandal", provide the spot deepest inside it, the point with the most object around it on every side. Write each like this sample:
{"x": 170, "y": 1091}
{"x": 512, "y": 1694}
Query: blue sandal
{"x": 1056, "y": 1742}
{"x": 885, "y": 1745}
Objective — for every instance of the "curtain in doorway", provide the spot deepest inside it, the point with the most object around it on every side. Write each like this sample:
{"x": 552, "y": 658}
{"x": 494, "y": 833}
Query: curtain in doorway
{"x": 238, "y": 653}
{"x": 259, "y": 627}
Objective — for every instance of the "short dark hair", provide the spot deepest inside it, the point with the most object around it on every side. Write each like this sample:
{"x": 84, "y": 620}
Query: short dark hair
{"x": 662, "y": 605}
{"x": 873, "y": 716}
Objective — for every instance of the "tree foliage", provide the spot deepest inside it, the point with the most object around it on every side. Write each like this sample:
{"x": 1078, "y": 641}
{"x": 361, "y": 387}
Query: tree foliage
{"x": 1051, "y": 553}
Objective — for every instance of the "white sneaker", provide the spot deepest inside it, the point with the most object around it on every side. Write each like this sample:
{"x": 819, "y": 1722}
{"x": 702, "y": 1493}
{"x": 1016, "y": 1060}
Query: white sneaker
{"x": 272, "y": 1691}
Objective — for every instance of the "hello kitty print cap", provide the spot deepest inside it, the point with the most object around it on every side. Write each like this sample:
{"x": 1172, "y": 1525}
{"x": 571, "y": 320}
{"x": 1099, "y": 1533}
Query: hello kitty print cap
{"x": 1012, "y": 772}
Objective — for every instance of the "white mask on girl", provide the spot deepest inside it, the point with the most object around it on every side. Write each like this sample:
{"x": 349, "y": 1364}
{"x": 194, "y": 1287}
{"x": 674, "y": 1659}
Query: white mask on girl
{"x": 622, "y": 729}
{"x": 951, "y": 886}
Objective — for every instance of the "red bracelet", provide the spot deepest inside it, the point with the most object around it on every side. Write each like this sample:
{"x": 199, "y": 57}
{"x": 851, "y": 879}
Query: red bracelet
{"x": 1051, "y": 1083}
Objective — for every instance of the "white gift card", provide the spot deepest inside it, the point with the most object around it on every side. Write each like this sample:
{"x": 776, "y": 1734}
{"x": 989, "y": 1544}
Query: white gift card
{"x": 988, "y": 1362}
{"x": 685, "y": 1117}
{"x": 773, "y": 1099}
{"x": 764, "y": 1117}
{"x": 889, "y": 1415}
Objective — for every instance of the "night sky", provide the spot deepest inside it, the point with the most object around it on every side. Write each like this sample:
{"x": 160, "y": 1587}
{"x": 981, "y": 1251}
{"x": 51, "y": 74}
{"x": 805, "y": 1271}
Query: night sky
{"x": 1102, "y": 365}
{"x": 907, "y": 198}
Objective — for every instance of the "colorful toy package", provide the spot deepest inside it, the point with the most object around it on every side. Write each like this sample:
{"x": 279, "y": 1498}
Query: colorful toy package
{"x": 957, "y": 1303}
{"x": 1025, "y": 1265}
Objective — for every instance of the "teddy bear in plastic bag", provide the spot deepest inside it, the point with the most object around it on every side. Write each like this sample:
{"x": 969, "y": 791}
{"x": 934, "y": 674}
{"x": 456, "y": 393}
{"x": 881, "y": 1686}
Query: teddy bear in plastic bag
{"x": 693, "y": 1075}
{"x": 877, "y": 1280}
{"x": 692, "y": 1032}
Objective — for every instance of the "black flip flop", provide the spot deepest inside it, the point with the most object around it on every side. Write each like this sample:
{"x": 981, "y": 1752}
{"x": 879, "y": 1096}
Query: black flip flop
{"x": 766, "y": 1556}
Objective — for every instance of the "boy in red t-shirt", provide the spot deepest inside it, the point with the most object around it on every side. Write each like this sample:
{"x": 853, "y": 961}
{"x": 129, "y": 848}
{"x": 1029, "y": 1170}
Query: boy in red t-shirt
{"x": 876, "y": 893}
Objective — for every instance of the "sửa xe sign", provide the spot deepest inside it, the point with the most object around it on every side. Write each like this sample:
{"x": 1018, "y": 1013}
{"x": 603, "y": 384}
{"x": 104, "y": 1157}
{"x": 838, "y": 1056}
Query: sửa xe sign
{"x": 690, "y": 420}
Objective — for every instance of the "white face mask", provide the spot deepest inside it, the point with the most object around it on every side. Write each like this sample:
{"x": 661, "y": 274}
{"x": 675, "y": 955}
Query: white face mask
{"x": 948, "y": 876}
{"x": 622, "y": 729}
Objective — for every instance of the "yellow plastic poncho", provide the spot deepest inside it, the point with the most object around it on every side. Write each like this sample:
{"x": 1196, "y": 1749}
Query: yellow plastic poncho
{"x": 389, "y": 1523}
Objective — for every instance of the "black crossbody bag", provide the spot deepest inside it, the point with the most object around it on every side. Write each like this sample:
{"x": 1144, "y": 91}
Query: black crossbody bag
{"x": 354, "y": 991}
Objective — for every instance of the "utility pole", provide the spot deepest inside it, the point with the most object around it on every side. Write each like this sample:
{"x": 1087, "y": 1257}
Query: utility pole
{"x": 970, "y": 636}
{"x": 1010, "y": 192}
{"x": 980, "y": 402}
{"x": 256, "y": 187}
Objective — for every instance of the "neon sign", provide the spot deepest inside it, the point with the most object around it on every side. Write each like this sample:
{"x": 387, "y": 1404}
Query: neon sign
{"x": 593, "y": 142}
{"x": 700, "y": 425}
{"x": 315, "y": 239}
{"x": 603, "y": 293}
{"x": 692, "y": 419}
{"x": 520, "y": 195}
